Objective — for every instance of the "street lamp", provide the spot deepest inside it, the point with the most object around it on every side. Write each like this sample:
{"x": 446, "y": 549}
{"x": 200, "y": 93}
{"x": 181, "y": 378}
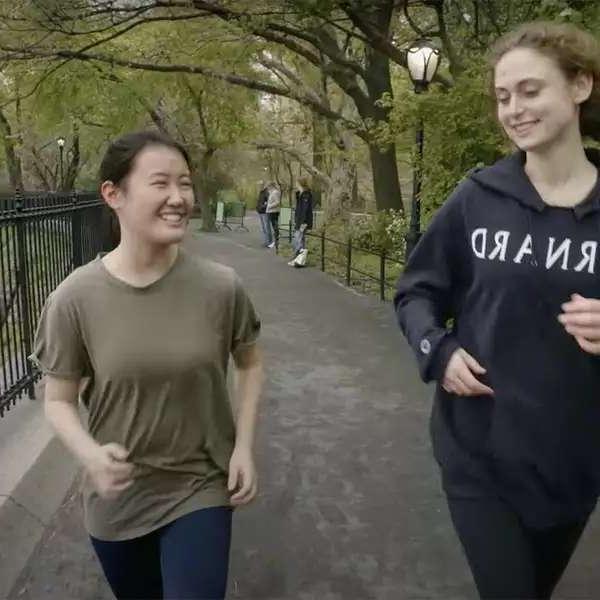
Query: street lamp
{"x": 423, "y": 60}
{"x": 61, "y": 145}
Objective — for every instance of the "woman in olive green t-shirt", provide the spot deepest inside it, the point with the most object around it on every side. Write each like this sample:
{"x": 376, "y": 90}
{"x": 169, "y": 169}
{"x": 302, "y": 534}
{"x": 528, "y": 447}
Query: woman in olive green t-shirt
{"x": 143, "y": 335}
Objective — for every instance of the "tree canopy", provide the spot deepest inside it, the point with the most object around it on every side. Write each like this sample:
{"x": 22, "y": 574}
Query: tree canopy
{"x": 258, "y": 88}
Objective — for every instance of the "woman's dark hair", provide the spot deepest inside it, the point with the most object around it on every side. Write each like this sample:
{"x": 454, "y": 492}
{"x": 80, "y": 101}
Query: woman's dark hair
{"x": 122, "y": 152}
{"x": 574, "y": 50}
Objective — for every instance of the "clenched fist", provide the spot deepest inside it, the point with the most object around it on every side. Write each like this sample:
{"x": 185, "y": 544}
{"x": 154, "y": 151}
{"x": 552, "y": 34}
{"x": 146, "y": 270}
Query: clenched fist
{"x": 109, "y": 470}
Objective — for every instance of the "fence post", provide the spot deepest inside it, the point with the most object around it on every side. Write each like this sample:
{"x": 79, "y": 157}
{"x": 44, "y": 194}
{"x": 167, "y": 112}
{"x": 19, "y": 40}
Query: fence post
{"x": 349, "y": 261}
{"x": 382, "y": 276}
{"x": 323, "y": 250}
{"x": 24, "y": 291}
{"x": 242, "y": 226}
{"x": 76, "y": 233}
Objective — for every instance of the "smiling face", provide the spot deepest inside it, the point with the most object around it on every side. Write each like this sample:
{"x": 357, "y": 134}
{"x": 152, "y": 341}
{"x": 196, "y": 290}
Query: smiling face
{"x": 537, "y": 105}
{"x": 154, "y": 202}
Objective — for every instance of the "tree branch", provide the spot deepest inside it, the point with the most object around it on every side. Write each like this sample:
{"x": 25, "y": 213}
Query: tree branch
{"x": 234, "y": 79}
{"x": 270, "y": 63}
{"x": 40, "y": 167}
{"x": 295, "y": 154}
{"x": 155, "y": 116}
{"x": 278, "y": 33}
{"x": 413, "y": 25}
{"x": 382, "y": 43}
{"x": 453, "y": 58}
{"x": 198, "y": 105}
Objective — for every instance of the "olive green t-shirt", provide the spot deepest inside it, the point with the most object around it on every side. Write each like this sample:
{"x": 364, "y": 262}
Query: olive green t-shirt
{"x": 153, "y": 361}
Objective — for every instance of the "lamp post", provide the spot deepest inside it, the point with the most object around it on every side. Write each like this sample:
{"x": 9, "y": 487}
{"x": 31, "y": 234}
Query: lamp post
{"x": 61, "y": 145}
{"x": 423, "y": 60}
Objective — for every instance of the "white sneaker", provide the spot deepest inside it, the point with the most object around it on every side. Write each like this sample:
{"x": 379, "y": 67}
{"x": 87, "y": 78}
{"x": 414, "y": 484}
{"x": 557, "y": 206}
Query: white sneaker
{"x": 271, "y": 245}
{"x": 292, "y": 263}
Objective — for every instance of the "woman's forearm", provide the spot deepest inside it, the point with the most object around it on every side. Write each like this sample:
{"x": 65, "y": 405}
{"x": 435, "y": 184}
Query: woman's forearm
{"x": 61, "y": 410}
{"x": 249, "y": 381}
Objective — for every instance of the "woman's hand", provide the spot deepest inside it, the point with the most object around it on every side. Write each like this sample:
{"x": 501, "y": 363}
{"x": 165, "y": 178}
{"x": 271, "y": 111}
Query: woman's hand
{"x": 243, "y": 481}
{"x": 460, "y": 379}
{"x": 581, "y": 319}
{"x": 109, "y": 470}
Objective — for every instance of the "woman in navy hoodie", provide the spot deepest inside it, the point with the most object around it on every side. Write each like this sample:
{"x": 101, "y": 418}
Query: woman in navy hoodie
{"x": 500, "y": 301}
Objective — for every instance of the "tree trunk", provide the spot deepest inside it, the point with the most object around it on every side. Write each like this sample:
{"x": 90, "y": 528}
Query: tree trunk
{"x": 384, "y": 167}
{"x": 339, "y": 194}
{"x": 320, "y": 134}
{"x": 338, "y": 197}
{"x": 15, "y": 171}
{"x": 203, "y": 189}
{"x": 385, "y": 178}
{"x": 356, "y": 203}
{"x": 74, "y": 163}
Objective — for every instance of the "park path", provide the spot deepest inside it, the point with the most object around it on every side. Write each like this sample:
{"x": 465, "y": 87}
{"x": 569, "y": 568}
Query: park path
{"x": 350, "y": 505}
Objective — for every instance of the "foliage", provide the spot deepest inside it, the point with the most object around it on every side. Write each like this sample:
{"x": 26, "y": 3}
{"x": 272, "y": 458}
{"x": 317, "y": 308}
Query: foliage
{"x": 460, "y": 127}
{"x": 100, "y": 99}
{"x": 461, "y": 132}
{"x": 383, "y": 231}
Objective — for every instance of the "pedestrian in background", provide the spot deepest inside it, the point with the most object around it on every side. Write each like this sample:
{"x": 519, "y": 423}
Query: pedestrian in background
{"x": 303, "y": 221}
{"x": 273, "y": 210}
{"x": 261, "y": 209}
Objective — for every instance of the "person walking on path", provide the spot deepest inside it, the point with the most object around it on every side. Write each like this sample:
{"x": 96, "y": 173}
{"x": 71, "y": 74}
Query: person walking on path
{"x": 261, "y": 209}
{"x": 303, "y": 221}
{"x": 500, "y": 301}
{"x": 143, "y": 335}
{"x": 273, "y": 210}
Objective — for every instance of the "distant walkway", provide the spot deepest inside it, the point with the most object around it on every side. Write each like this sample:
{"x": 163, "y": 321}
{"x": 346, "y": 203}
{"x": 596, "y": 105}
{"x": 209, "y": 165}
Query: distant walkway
{"x": 350, "y": 506}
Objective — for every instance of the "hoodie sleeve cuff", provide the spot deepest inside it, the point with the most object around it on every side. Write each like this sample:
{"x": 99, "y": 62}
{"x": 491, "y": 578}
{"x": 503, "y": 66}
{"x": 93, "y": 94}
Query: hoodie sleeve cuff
{"x": 440, "y": 358}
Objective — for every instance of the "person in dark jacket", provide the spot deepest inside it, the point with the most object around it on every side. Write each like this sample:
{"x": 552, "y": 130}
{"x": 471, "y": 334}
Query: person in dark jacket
{"x": 500, "y": 301}
{"x": 261, "y": 209}
{"x": 303, "y": 220}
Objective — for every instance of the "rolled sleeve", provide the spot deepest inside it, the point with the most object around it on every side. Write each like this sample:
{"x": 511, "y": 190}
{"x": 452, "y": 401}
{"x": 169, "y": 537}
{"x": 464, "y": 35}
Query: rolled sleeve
{"x": 246, "y": 323}
{"x": 58, "y": 347}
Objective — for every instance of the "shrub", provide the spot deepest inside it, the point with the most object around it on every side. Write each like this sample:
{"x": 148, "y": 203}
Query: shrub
{"x": 383, "y": 231}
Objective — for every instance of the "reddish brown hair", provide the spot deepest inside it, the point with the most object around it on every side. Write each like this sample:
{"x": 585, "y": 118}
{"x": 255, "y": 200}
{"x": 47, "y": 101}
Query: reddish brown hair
{"x": 574, "y": 50}
{"x": 304, "y": 181}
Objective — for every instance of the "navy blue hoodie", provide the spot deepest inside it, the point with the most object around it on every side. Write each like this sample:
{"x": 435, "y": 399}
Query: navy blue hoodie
{"x": 490, "y": 275}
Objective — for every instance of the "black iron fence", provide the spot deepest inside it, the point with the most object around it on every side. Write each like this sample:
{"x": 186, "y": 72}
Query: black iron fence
{"x": 230, "y": 213}
{"x": 43, "y": 237}
{"x": 369, "y": 270}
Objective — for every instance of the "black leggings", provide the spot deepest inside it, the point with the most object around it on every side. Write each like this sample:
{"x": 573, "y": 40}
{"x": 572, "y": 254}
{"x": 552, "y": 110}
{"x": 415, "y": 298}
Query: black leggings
{"x": 507, "y": 559}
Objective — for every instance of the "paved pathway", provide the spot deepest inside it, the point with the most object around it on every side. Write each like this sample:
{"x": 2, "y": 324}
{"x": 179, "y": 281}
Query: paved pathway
{"x": 350, "y": 505}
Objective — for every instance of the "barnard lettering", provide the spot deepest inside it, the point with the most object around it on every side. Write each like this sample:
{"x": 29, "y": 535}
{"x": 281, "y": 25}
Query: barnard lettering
{"x": 557, "y": 253}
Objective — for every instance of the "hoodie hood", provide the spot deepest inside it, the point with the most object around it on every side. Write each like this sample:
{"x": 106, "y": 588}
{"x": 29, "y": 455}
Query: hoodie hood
{"x": 508, "y": 178}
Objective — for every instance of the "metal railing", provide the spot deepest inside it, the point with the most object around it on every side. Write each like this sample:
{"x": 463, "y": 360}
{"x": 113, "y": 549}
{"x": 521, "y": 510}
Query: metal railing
{"x": 231, "y": 213}
{"x": 43, "y": 237}
{"x": 379, "y": 271}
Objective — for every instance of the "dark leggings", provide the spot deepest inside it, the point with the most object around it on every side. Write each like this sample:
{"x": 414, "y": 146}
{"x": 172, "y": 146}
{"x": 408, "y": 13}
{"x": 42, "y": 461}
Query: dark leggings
{"x": 188, "y": 558}
{"x": 507, "y": 559}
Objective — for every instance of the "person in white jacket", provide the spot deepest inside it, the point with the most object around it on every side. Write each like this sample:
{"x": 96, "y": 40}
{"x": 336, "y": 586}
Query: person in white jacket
{"x": 273, "y": 208}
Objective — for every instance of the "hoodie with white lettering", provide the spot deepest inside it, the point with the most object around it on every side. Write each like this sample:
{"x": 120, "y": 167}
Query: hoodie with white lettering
{"x": 490, "y": 275}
